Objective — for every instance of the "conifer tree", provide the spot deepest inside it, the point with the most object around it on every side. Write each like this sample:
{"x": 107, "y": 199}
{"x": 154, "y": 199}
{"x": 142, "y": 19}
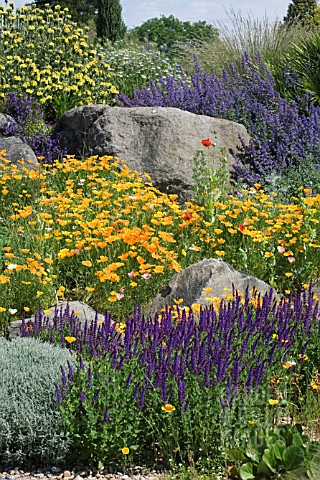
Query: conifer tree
{"x": 306, "y": 12}
{"x": 109, "y": 21}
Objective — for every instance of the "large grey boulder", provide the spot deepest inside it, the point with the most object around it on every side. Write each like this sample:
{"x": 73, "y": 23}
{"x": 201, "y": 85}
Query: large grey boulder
{"x": 81, "y": 310}
{"x": 155, "y": 140}
{"x": 17, "y": 150}
{"x": 189, "y": 284}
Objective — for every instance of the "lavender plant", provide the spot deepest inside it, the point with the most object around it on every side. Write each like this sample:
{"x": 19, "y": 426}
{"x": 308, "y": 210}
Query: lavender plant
{"x": 30, "y": 125}
{"x": 283, "y": 133}
{"x": 177, "y": 373}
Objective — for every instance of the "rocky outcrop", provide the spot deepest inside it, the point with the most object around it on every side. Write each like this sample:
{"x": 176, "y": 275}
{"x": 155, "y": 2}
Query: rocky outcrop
{"x": 192, "y": 285}
{"x": 155, "y": 140}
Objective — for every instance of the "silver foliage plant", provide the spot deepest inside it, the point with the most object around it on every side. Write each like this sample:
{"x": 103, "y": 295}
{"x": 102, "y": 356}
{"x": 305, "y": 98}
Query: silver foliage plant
{"x": 31, "y": 425}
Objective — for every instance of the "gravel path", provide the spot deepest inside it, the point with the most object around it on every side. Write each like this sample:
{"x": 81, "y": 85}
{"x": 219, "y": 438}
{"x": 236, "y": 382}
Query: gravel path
{"x": 54, "y": 473}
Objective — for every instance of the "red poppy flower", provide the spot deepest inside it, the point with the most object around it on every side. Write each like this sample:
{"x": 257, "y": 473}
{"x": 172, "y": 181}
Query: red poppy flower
{"x": 206, "y": 142}
{"x": 187, "y": 216}
{"x": 241, "y": 226}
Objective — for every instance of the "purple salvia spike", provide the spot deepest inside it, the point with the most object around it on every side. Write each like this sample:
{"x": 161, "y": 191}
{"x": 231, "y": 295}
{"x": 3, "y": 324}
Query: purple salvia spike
{"x": 142, "y": 399}
{"x": 70, "y": 374}
{"x": 81, "y": 395}
{"x": 58, "y": 394}
{"x": 89, "y": 378}
{"x": 106, "y": 415}
{"x": 63, "y": 378}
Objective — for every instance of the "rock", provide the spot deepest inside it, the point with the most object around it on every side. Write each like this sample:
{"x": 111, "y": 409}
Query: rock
{"x": 66, "y": 474}
{"x": 17, "y": 150}
{"x": 155, "y": 140}
{"x": 5, "y": 121}
{"x": 85, "y": 312}
{"x": 189, "y": 283}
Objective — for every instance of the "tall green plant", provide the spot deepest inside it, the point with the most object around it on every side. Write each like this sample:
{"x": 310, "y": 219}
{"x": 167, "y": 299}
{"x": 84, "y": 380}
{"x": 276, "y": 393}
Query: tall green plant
{"x": 303, "y": 11}
{"x": 110, "y": 25}
{"x": 304, "y": 58}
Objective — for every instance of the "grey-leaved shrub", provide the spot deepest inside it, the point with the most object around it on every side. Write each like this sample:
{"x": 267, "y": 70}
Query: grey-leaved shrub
{"x": 31, "y": 425}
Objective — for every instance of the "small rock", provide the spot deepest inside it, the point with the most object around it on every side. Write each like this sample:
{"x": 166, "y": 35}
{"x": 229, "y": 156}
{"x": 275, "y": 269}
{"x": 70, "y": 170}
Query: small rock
{"x": 66, "y": 474}
{"x": 78, "y": 477}
{"x": 60, "y": 477}
{"x": 56, "y": 470}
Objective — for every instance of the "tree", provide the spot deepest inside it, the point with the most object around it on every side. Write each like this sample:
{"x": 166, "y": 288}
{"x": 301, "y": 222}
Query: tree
{"x": 81, "y": 11}
{"x": 109, "y": 21}
{"x": 306, "y": 12}
{"x": 166, "y": 31}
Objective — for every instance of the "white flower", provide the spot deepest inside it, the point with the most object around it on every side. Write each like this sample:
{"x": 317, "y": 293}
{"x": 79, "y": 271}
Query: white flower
{"x": 12, "y": 266}
{"x": 13, "y": 311}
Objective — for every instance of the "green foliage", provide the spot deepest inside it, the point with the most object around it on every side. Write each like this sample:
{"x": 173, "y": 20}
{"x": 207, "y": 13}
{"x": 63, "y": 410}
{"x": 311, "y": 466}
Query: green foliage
{"x": 31, "y": 427}
{"x": 166, "y": 31}
{"x": 283, "y": 451}
{"x": 303, "y": 11}
{"x": 210, "y": 185}
{"x": 134, "y": 65}
{"x": 110, "y": 416}
{"x": 306, "y": 173}
{"x": 304, "y": 58}
{"x": 107, "y": 420}
{"x": 109, "y": 22}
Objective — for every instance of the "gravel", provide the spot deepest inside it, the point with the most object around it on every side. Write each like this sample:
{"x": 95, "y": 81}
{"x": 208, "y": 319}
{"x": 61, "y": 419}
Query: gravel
{"x": 85, "y": 473}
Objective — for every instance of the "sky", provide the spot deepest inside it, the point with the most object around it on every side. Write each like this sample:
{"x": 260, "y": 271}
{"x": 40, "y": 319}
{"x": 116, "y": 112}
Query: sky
{"x": 135, "y": 12}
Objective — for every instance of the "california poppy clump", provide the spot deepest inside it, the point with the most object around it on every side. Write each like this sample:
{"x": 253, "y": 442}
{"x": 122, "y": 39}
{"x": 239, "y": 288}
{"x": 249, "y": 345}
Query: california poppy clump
{"x": 94, "y": 231}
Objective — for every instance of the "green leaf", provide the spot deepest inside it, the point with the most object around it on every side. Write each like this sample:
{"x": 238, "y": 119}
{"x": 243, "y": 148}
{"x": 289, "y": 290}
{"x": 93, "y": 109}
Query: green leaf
{"x": 293, "y": 457}
{"x": 263, "y": 468}
{"x": 297, "y": 474}
{"x": 297, "y": 440}
{"x": 314, "y": 467}
{"x": 271, "y": 440}
{"x": 246, "y": 471}
{"x": 253, "y": 454}
{"x": 270, "y": 460}
{"x": 236, "y": 455}
{"x": 278, "y": 449}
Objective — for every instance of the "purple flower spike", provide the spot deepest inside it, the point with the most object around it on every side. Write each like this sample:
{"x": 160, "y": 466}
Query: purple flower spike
{"x": 81, "y": 396}
{"x": 58, "y": 394}
{"x": 106, "y": 415}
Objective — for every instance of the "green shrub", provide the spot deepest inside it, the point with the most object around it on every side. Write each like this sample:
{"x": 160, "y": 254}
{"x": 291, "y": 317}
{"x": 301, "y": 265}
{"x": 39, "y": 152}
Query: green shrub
{"x": 31, "y": 427}
{"x": 166, "y": 31}
{"x": 135, "y": 65}
{"x": 305, "y": 173}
